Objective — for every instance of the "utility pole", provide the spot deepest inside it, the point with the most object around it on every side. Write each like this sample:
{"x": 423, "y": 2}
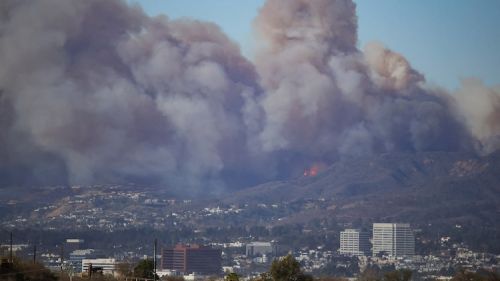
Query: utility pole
{"x": 11, "y": 257}
{"x": 154, "y": 259}
{"x": 62, "y": 258}
{"x": 34, "y": 254}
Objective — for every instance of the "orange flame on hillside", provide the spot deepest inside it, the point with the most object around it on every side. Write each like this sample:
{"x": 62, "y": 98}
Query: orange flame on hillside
{"x": 314, "y": 170}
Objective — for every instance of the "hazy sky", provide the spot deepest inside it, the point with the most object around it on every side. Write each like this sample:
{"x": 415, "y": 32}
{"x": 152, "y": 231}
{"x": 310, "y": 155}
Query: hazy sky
{"x": 446, "y": 39}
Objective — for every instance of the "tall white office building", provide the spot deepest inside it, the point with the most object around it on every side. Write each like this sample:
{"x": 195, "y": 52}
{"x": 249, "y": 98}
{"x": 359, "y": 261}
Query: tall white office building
{"x": 354, "y": 242}
{"x": 394, "y": 239}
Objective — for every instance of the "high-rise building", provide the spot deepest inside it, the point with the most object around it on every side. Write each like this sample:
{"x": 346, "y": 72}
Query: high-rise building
{"x": 192, "y": 259}
{"x": 393, "y": 239}
{"x": 354, "y": 242}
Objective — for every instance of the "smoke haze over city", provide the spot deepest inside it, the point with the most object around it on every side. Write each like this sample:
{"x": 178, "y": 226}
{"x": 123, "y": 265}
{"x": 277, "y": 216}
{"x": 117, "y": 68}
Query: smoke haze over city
{"x": 99, "y": 91}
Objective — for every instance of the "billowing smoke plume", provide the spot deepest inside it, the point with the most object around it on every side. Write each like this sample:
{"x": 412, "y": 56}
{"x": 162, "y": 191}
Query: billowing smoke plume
{"x": 324, "y": 97}
{"x": 97, "y": 91}
{"x": 480, "y": 107}
{"x": 110, "y": 92}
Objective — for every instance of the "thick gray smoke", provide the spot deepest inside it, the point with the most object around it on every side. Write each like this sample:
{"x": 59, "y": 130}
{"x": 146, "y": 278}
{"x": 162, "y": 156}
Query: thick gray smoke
{"x": 324, "y": 97}
{"x": 97, "y": 91}
{"x": 112, "y": 93}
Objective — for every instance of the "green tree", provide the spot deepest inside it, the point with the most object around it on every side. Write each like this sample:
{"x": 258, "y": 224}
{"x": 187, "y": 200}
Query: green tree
{"x": 287, "y": 269}
{"x": 21, "y": 270}
{"x": 232, "y": 277}
{"x": 464, "y": 275}
{"x": 370, "y": 274}
{"x": 124, "y": 269}
{"x": 398, "y": 275}
{"x": 266, "y": 276}
{"x": 144, "y": 269}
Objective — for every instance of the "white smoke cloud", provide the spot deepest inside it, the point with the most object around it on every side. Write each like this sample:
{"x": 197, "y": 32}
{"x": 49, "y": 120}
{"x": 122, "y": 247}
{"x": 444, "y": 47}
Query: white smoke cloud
{"x": 480, "y": 107}
{"x": 324, "y": 97}
{"x": 389, "y": 70}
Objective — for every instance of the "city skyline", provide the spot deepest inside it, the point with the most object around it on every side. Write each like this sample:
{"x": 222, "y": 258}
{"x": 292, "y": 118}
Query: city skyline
{"x": 255, "y": 135}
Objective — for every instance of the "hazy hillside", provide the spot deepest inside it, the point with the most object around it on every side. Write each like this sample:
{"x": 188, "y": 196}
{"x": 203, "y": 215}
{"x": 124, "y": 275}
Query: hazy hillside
{"x": 441, "y": 194}
{"x": 412, "y": 187}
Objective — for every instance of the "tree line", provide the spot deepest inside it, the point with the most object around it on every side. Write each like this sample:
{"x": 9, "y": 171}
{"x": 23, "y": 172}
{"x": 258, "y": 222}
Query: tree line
{"x": 283, "y": 269}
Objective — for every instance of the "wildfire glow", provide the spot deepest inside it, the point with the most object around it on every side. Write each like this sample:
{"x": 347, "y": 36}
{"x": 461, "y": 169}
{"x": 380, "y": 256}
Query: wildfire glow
{"x": 314, "y": 170}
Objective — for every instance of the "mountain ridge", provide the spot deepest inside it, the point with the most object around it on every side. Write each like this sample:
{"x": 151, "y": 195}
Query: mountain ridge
{"x": 404, "y": 186}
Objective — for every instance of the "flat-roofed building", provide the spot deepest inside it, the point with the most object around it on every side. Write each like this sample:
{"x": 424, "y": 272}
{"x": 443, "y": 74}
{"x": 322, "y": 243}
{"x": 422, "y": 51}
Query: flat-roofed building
{"x": 192, "y": 259}
{"x": 260, "y": 248}
{"x": 77, "y": 256}
{"x": 107, "y": 266}
{"x": 393, "y": 239}
{"x": 354, "y": 242}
